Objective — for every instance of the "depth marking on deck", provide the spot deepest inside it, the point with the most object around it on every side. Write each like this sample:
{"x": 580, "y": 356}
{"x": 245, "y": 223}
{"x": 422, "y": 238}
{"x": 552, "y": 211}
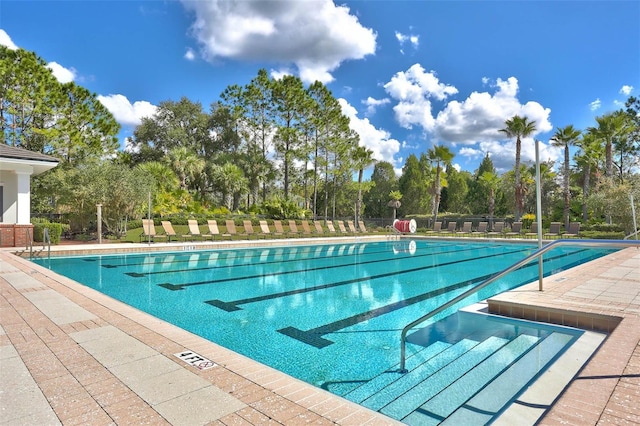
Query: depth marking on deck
{"x": 195, "y": 360}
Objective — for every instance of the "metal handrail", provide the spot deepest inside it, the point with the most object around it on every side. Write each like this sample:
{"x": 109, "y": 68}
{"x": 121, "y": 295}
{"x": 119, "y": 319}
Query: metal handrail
{"x": 46, "y": 238}
{"x": 46, "y": 242}
{"x": 535, "y": 254}
{"x": 29, "y": 243}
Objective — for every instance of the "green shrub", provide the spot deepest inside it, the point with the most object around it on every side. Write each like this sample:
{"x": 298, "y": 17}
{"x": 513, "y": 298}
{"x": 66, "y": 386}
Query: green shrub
{"x": 55, "y": 231}
{"x": 602, "y": 235}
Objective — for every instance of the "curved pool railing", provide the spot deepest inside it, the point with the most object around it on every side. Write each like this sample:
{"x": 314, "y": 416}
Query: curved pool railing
{"x": 532, "y": 256}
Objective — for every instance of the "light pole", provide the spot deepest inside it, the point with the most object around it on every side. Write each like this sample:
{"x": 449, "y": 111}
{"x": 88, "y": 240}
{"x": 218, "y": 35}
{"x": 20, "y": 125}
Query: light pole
{"x": 539, "y": 214}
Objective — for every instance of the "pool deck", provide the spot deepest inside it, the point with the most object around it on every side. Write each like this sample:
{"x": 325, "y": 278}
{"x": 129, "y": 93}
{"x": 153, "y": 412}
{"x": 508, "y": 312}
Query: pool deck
{"x": 71, "y": 355}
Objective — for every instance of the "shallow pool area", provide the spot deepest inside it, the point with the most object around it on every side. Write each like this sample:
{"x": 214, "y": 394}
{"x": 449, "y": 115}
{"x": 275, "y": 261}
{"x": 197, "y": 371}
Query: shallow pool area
{"x": 331, "y": 314}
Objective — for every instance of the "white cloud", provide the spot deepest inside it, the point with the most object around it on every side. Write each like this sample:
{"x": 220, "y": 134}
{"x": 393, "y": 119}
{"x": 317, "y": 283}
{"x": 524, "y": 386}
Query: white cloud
{"x": 595, "y": 104}
{"x": 502, "y": 153}
{"x": 414, "y": 40}
{"x": 126, "y": 113}
{"x": 372, "y": 104}
{"x": 474, "y": 122}
{"x": 314, "y": 36}
{"x": 413, "y": 90}
{"x": 480, "y": 117}
{"x": 62, "y": 74}
{"x": 278, "y": 74}
{"x": 5, "y": 40}
{"x": 377, "y": 140}
{"x": 190, "y": 55}
{"x": 626, "y": 90}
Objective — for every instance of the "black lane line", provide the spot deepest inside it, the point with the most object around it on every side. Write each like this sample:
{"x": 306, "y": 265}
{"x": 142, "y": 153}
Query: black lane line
{"x": 233, "y": 305}
{"x": 212, "y": 268}
{"x": 170, "y": 286}
{"x": 314, "y": 337}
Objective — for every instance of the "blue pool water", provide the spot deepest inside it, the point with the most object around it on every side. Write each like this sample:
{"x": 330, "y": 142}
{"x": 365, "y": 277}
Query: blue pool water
{"x": 331, "y": 315}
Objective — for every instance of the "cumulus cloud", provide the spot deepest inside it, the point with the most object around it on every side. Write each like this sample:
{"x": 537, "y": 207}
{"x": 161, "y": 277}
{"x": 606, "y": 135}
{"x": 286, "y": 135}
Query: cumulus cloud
{"x": 502, "y": 153}
{"x": 125, "y": 112}
{"x": 476, "y": 123}
{"x": 473, "y": 123}
{"x": 414, "y": 40}
{"x": 62, "y": 74}
{"x": 279, "y": 74}
{"x": 414, "y": 89}
{"x": 626, "y": 90}
{"x": 6, "y": 41}
{"x": 377, "y": 140}
{"x": 595, "y": 105}
{"x": 372, "y": 104}
{"x": 190, "y": 55}
{"x": 480, "y": 117}
{"x": 315, "y": 39}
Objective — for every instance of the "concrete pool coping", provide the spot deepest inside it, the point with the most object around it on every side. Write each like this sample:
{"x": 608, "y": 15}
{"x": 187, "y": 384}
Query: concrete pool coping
{"x": 49, "y": 323}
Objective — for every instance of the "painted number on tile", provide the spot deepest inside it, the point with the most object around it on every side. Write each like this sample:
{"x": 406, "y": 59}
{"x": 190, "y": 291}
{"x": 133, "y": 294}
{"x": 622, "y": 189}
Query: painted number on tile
{"x": 198, "y": 361}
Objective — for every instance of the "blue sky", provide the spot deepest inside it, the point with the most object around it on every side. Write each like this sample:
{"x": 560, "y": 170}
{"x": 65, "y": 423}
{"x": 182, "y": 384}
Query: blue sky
{"x": 409, "y": 74}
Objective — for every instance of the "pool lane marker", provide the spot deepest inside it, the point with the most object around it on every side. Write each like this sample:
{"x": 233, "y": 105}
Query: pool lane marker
{"x": 195, "y": 360}
{"x": 313, "y": 337}
{"x": 233, "y": 305}
{"x": 175, "y": 287}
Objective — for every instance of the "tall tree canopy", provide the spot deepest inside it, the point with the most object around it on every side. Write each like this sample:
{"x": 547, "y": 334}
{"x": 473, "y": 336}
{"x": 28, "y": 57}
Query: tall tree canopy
{"x": 40, "y": 114}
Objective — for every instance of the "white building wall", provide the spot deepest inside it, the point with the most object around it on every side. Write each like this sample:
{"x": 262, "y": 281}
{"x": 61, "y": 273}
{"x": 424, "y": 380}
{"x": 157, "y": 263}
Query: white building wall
{"x": 16, "y": 194}
{"x": 24, "y": 198}
{"x": 9, "y": 181}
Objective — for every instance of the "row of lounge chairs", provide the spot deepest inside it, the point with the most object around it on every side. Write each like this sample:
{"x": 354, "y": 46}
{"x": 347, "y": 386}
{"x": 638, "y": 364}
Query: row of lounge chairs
{"x": 213, "y": 231}
{"x": 500, "y": 230}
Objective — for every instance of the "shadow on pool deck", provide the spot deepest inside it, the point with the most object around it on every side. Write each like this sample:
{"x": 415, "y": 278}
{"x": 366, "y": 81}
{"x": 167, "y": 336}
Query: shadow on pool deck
{"x": 70, "y": 355}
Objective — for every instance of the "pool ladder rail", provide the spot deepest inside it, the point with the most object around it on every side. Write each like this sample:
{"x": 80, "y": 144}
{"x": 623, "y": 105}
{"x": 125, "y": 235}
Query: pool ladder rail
{"x": 46, "y": 244}
{"x": 537, "y": 254}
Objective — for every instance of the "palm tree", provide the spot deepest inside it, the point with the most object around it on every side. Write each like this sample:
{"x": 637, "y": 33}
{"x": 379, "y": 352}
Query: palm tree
{"x": 231, "y": 180}
{"x": 395, "y": 203}
{"x": 590, "y": 157}
{"x": 518, "y": 127}
{"x": 490, "y": 181}
{"x": 363, "y": 158}
{"x": 609, "y": 126}
{"x": 565, "y": 137}
{"x": 440, "y": 155}
{"x": 185, "y": 163}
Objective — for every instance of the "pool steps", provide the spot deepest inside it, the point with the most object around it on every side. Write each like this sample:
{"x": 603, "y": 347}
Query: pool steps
{"x": 467, "y": 376}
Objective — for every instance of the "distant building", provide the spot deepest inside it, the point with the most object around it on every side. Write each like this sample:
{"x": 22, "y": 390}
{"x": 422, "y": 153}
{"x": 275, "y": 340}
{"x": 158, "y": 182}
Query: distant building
{"x": 17, "y": 165}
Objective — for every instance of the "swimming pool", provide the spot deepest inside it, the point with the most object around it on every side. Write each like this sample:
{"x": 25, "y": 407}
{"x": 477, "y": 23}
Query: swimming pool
{"x": 332, "y": 314}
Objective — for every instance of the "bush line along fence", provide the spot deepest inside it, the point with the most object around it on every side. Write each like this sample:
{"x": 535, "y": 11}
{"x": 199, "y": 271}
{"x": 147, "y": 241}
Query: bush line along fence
{"x": 598, "y": 230}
